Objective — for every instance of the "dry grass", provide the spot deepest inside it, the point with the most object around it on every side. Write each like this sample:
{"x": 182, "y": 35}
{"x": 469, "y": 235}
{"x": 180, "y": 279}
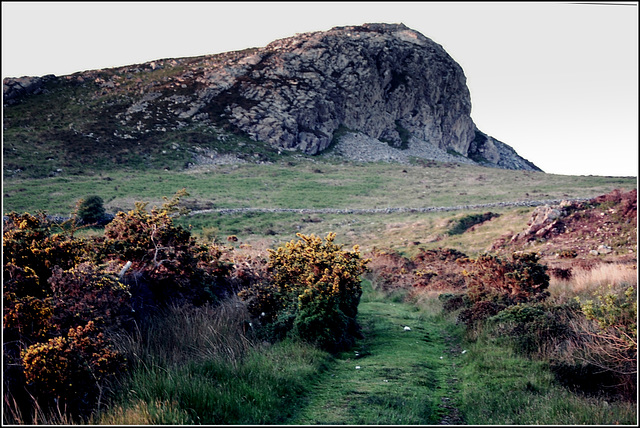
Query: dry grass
{"x": 584, "y": 282}
{"x": 144, "y": 413}
{"x": 12, "y": 415}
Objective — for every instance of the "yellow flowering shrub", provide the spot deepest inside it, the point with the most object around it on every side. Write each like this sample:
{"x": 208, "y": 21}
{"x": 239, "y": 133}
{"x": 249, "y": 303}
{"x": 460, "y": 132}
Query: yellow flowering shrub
{"x": 313, "y": 292}
{"x": 72, "y": 368}
{"x": 167, "y": 263}
{"x": 31, "y": 241}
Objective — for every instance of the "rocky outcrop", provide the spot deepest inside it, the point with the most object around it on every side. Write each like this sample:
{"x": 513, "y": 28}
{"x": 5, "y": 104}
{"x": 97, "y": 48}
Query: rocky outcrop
{"x": 15, "y": 87}
{"x": 487, "y": 150}
{"x": 544, "y": 219}
{"x": 383, "y": 81}
{"x": 386, "y": 81}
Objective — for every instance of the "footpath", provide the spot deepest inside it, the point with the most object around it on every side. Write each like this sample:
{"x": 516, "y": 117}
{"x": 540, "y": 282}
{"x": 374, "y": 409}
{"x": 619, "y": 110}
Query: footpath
{"x": 403, "y": 372}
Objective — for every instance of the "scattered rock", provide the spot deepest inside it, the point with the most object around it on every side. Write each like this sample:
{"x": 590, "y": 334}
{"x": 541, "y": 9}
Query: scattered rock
{"x": 604, "y": 249}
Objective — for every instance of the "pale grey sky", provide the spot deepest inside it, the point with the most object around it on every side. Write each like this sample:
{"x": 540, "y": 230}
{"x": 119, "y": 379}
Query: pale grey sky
{"x": 556, "y": 81}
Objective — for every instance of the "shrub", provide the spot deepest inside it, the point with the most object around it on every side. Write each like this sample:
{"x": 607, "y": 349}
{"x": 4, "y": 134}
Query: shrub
{"x": 167, "y": 263}
{"x": 27, "y": 310}
{"x": 62, "y": 296}
{"x": 452, "y": 302}
{"x": 615, "y": 311}
{"x": 86, "y": 294}
{"x": 388, "y": 270}
{"x": 478, "y": 312}
{"x": 613, "y": 345}
{"x": 313, "y": 292}
{"x": 91, "y": 210}
{"x": 29, "y": 241}
{"x": 464, "y": 223}
{"x": 534, "y": 329}
{"x": 439, "y": 269}
{"x": 72, "y": 368}
{"x": 518, "y": 280}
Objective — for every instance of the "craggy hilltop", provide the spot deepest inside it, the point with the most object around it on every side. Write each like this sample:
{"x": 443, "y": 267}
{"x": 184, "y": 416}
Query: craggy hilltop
{"x": 384, "y": 82}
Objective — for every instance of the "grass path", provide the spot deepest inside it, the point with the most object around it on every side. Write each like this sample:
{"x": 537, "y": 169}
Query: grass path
{"x": 392, "y": 376}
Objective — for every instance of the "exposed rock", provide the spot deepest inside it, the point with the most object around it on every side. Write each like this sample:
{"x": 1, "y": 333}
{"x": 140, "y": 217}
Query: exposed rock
{"x": 543, "y": 220}
{"x": 385, "y": 82}
{"x": 16, "y": 87}
{"x": 604, "y": 249}
{"x": 602, "y": 226}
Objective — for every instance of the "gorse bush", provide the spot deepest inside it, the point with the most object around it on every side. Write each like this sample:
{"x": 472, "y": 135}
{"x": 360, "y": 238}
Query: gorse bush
{"x": 167, "y": 263}
{"x": 312, "y": 293}
{"x": 50, "y": 289}
{"x": 66, "y": 297}
{"x": 35, "y": 242}
{"x": 509, "y": 281}
{"x": 86, "y": 294}
{"x": 73, "y": 366}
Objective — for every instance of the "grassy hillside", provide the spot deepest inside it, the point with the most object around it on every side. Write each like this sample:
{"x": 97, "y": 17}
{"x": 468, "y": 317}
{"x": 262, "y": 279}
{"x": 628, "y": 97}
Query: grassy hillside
{"x": 307, "y": 183}
{"x": 298, "y": 182}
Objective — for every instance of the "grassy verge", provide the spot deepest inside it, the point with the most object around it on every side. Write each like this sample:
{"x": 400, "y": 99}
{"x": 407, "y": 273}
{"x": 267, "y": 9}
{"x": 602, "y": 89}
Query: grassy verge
{"x": 496, "y": 386}
{"x": 262, "y": 388}
{"x": 500, "y": 388}
{"x": 199, "y": 366}
{"x": 432, "y": 375}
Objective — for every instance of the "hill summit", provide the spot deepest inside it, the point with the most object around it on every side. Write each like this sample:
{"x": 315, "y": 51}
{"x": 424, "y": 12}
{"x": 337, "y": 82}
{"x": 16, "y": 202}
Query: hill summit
{"x": 384, "y": 81}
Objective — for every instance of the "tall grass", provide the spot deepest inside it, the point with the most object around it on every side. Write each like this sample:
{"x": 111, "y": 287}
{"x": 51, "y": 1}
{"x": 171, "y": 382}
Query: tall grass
{"x": 186, "y": 333}
{"x": 13, "y": 415}
{"x": 204, "y": 366}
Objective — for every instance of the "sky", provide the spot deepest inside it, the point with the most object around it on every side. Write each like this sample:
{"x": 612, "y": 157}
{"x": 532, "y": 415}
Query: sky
{"x": 557, "y": 81}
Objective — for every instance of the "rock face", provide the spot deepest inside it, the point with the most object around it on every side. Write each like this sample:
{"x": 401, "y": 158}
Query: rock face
{"x": 382, "y": 80}
{"x": 385, "y": 81}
